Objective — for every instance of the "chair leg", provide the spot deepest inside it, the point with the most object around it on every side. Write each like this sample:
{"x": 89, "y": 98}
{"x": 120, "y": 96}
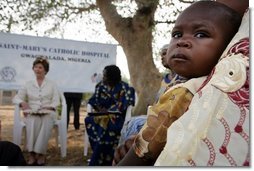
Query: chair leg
{"x": 18, "y": 138}
{"x": 17, "y": 134}
{"x": 25, "y": 143}
{"x": 62, "y": 140}
{"x": 56, "y": 135}
{"x": 86, "y": 143}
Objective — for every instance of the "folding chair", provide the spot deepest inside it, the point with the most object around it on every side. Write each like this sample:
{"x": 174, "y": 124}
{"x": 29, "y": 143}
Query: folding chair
{"x": 60, "y": 124}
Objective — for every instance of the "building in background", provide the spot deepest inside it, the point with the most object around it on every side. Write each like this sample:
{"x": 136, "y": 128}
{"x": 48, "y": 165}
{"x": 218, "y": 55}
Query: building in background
{"x": 6, "y": 97}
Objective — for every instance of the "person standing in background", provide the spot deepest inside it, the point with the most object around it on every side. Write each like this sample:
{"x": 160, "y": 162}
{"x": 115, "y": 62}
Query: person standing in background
{"x": 75, "y": 100}
{"x": 170, "y": 78}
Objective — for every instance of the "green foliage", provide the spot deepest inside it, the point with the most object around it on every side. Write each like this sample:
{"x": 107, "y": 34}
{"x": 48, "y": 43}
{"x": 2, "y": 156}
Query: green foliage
{"x": 86, "y": 96}
{"x": 59, "y": 110}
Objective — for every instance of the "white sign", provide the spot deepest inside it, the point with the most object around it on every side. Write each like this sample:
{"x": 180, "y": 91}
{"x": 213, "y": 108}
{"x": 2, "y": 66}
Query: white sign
{"x": 74, "y": 65}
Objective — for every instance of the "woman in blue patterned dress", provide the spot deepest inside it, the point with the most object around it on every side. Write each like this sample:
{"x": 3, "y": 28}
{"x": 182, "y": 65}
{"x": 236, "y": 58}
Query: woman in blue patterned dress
{"x": 110, "y": 101}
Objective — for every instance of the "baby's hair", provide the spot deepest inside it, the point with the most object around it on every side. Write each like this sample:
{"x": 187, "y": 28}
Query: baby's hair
{"x": 230, "y": 17}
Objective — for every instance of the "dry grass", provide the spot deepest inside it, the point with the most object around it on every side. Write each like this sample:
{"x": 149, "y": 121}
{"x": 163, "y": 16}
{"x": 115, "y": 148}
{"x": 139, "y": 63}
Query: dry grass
{"x": 75, "y": 142}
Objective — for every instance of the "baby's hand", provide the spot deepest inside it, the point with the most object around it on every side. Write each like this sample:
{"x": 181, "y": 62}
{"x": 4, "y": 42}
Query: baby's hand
{"x": 122, "y": 150}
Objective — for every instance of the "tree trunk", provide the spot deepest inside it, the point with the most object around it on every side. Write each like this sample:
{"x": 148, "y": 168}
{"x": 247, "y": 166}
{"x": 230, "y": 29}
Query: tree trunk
{"x": 135, "y": 37}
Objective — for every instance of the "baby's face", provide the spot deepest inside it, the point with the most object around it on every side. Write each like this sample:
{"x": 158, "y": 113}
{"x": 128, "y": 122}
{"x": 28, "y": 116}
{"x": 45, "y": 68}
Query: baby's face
{"x": 196, "y": 44}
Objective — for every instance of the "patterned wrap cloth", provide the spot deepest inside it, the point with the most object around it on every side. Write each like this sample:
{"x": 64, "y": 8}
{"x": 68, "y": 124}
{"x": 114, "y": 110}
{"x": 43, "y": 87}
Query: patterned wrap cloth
{"x": 171, "y": 105}
{"x": 215, "y": 129}
{"x": 116, "y": 99}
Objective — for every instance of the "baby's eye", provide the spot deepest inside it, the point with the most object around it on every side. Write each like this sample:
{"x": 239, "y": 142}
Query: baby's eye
{"x": 176, "y": 34}
{"x": 201, "y": 35}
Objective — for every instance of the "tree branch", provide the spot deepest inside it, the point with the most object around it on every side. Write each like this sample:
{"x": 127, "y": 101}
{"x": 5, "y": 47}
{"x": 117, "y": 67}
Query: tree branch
{"x": 144, "y": 17}
{"x": 186, "y": 1}
{"x": 164, "y": 22}
{"x": 113, "y": 21}
{"x": 79, "y": 10}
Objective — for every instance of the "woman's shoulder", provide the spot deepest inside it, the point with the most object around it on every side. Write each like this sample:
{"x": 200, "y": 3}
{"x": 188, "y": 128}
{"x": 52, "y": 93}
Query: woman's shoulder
{"x": 29, "y": 82}
{"x": 99, "y": 84}
{"x": 50, "y": 82}
{"x": 124, "y": 84}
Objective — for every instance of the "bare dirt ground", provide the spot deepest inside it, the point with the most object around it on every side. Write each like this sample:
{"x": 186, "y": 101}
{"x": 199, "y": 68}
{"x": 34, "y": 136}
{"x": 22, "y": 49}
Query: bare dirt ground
{"x": 75, "y": 142}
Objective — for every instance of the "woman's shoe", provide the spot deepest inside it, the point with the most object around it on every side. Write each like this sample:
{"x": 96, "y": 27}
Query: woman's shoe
{"x": 32, "y": 163}
{"x": 41, "y": 160}
{"x": 32, "y": 159}
{"x": 41, "y": 164}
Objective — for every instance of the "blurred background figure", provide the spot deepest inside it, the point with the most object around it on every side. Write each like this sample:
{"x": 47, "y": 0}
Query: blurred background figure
{"x": 73, "y": 99}
{"x": 11, "y": 154}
